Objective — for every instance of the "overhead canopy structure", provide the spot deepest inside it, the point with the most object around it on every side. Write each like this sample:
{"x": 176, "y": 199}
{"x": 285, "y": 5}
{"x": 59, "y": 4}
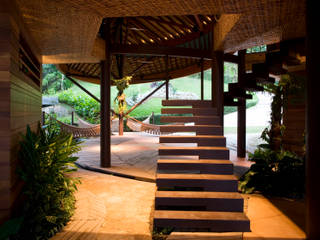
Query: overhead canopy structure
{"x": 69, "y": 33}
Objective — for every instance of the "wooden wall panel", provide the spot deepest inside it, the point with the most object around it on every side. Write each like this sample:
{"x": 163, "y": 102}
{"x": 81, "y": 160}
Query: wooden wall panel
{"x": 294, "y": 121}
{"x": 20, "y": 105}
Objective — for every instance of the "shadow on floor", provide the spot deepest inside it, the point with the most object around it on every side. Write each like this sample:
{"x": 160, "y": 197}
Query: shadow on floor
{"x": 293, "y": 209}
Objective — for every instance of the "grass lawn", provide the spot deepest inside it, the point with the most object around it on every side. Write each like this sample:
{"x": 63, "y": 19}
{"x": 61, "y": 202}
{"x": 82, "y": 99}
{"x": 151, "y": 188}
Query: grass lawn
{"x": 185, "y": 84}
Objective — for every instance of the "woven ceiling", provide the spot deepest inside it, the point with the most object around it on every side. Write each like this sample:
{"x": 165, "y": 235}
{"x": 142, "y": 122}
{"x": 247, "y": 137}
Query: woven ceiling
{"x": 69, "y": 31}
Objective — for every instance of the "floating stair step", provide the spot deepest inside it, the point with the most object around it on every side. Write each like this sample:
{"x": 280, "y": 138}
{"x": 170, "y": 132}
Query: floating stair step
{"x": 215, "y": 221}
{"x": 202, "y": 152}
{"x": 194, "y": 103}
{"x": 205, "y": 236}
{"x": 201, "y": 140}
{"x": 194, "y": 111}
{"x": 208, "y": 182}
{"x": 186, "y": 119}
{"x": 204, "y": 166}
{"x": 213, "y": 201}
{"x": 199, "y": 129}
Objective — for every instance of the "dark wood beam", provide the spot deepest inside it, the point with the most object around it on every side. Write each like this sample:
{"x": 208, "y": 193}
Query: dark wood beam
{"x": 201, "y": 79}
{"x": 312, "y": 122}
{"x": 228, "y": 57}
{"x": 161, "y": 51}
{"x": 241, "y": 129}
{"x": 144, "y": 99}
{"x": 83, "y": 89}
{"x": 105, "y": 134}
{"x": 167, "y": 76}
{"x": 200, "y": 25}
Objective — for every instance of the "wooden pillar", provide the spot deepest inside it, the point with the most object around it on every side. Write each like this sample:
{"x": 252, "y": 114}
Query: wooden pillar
{"x": 72, "y": 118}
{"x": 241, "y": 129}
{"x": 312, "y": 123}
{"x": 202, "y": 83}
{"x": 217, "y": 83}
{"x": 105, "y": 135}
{"x": 167, "y": 77}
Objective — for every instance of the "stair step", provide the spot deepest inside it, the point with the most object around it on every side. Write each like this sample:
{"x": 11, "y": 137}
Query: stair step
{"x": 213, "y": 201}
{"x": 194, "y": 103}
{"x": 201, "y": 140}
{"x": 208, "y": 182}
{"x": 202, "y": 152}
{"x": 194, "y": 111}
{"x": 199, "y": 129}
{"x": 204, "y": 166}
{"x": 195, "y": 119}
{"x": 215, "y": 221}
{"x": 205, "y": 236}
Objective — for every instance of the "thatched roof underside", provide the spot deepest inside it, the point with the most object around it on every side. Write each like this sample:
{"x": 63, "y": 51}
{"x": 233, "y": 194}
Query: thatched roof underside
{"x": 68, "y": 32}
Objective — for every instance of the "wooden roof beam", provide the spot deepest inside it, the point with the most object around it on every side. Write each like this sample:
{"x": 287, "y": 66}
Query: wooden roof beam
{"x": 149, "y": 50}
{"x": 222, "y": 28}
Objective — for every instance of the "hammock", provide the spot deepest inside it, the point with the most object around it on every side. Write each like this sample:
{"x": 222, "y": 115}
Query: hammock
{"x": 138, "y": 126}
{"x": 84, "y": 130}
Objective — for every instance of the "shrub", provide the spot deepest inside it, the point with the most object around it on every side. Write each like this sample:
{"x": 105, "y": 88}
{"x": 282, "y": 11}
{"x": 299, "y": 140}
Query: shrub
{"x": 84, "y": 106}
{"x": 279, "y": 173}
{"x": 46, "y": 159}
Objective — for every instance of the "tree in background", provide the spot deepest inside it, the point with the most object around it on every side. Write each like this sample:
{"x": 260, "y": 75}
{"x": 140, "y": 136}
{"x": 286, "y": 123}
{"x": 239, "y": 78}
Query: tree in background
{"x": 53, "y": 80}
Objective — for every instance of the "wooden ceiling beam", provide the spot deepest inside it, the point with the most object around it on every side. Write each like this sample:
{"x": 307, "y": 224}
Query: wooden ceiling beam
{"x": 200, "y": 25}
{"x": 161, "y": 20}
{"x": 149, "y": 50}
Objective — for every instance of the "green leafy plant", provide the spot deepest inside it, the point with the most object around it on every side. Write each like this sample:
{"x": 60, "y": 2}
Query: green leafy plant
{"x": 46, "y": 161}
{"x": 279, "y": 173}
{"x": 120, "y": 99}
{"x": 85, "y": 106}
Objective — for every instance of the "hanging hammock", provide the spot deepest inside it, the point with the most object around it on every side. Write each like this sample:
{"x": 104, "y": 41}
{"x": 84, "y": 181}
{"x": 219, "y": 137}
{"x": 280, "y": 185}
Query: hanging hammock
{"x": 86, "y": 129}
{"x": 138, "y": 126}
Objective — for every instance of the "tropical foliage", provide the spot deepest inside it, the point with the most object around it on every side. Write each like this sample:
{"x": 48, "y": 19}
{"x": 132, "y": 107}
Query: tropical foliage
{"x": 85, "y": 106}
{"x": 53, "y": 80}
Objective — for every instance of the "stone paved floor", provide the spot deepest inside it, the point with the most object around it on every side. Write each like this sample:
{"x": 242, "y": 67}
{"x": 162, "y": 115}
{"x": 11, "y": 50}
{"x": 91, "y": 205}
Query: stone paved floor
{"x": 110, "y": 207}
{"x": 135, "y": 154}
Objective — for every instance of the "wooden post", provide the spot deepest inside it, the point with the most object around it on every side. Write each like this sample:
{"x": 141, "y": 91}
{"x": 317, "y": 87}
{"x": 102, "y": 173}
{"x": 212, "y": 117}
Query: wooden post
{"x": 72, "y": 118}
{"x": 120, "y": 125}
{"x": 217, "y": 83}
{"x": 312, "y": 123}
{"x": 167, "y": 76}
{"x": 43, "y": 118}
{"x": 241, "y": 129}
{"x": 105, "y": 135}
{"x": 202, "y": 83}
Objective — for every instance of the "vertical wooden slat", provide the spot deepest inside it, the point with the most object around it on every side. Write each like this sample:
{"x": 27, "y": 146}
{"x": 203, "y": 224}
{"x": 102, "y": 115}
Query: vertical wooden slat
{"x": 313, "y": 126}
{"x": 167, "y": 77}
{"x": 202, "y": 87}
{"x": 241, "y": 129}
{"x": 105, "y": 135}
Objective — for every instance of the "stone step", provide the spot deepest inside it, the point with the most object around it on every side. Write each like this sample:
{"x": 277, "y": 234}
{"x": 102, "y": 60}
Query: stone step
{"x": 193, "y": 103}
{"x": 212, "y": 201}
{"x": 194, "y": 111}
{"x": 204, "y": 166}
{"x": 214, "y": 221}
{"x": 207, "y": 182}
{"x": 198, "y": 129}
{"x": 202, "y": 152}
{"x": 201, "y": 140}
{"x": 215, "y": 120}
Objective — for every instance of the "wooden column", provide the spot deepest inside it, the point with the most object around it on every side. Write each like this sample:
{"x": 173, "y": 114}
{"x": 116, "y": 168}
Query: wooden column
{"x": 202, "y": 83}
{"x": 241, "y": 129}
{"x": 312, "y": 123}
{"x": 105, "y": 135}
{"x": 167, "y": 77}
{"x": 217, "y": 83}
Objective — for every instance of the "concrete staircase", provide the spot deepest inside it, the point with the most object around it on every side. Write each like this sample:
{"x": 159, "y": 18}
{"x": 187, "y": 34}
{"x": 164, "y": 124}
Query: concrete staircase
{"x": 196, "y": 188}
